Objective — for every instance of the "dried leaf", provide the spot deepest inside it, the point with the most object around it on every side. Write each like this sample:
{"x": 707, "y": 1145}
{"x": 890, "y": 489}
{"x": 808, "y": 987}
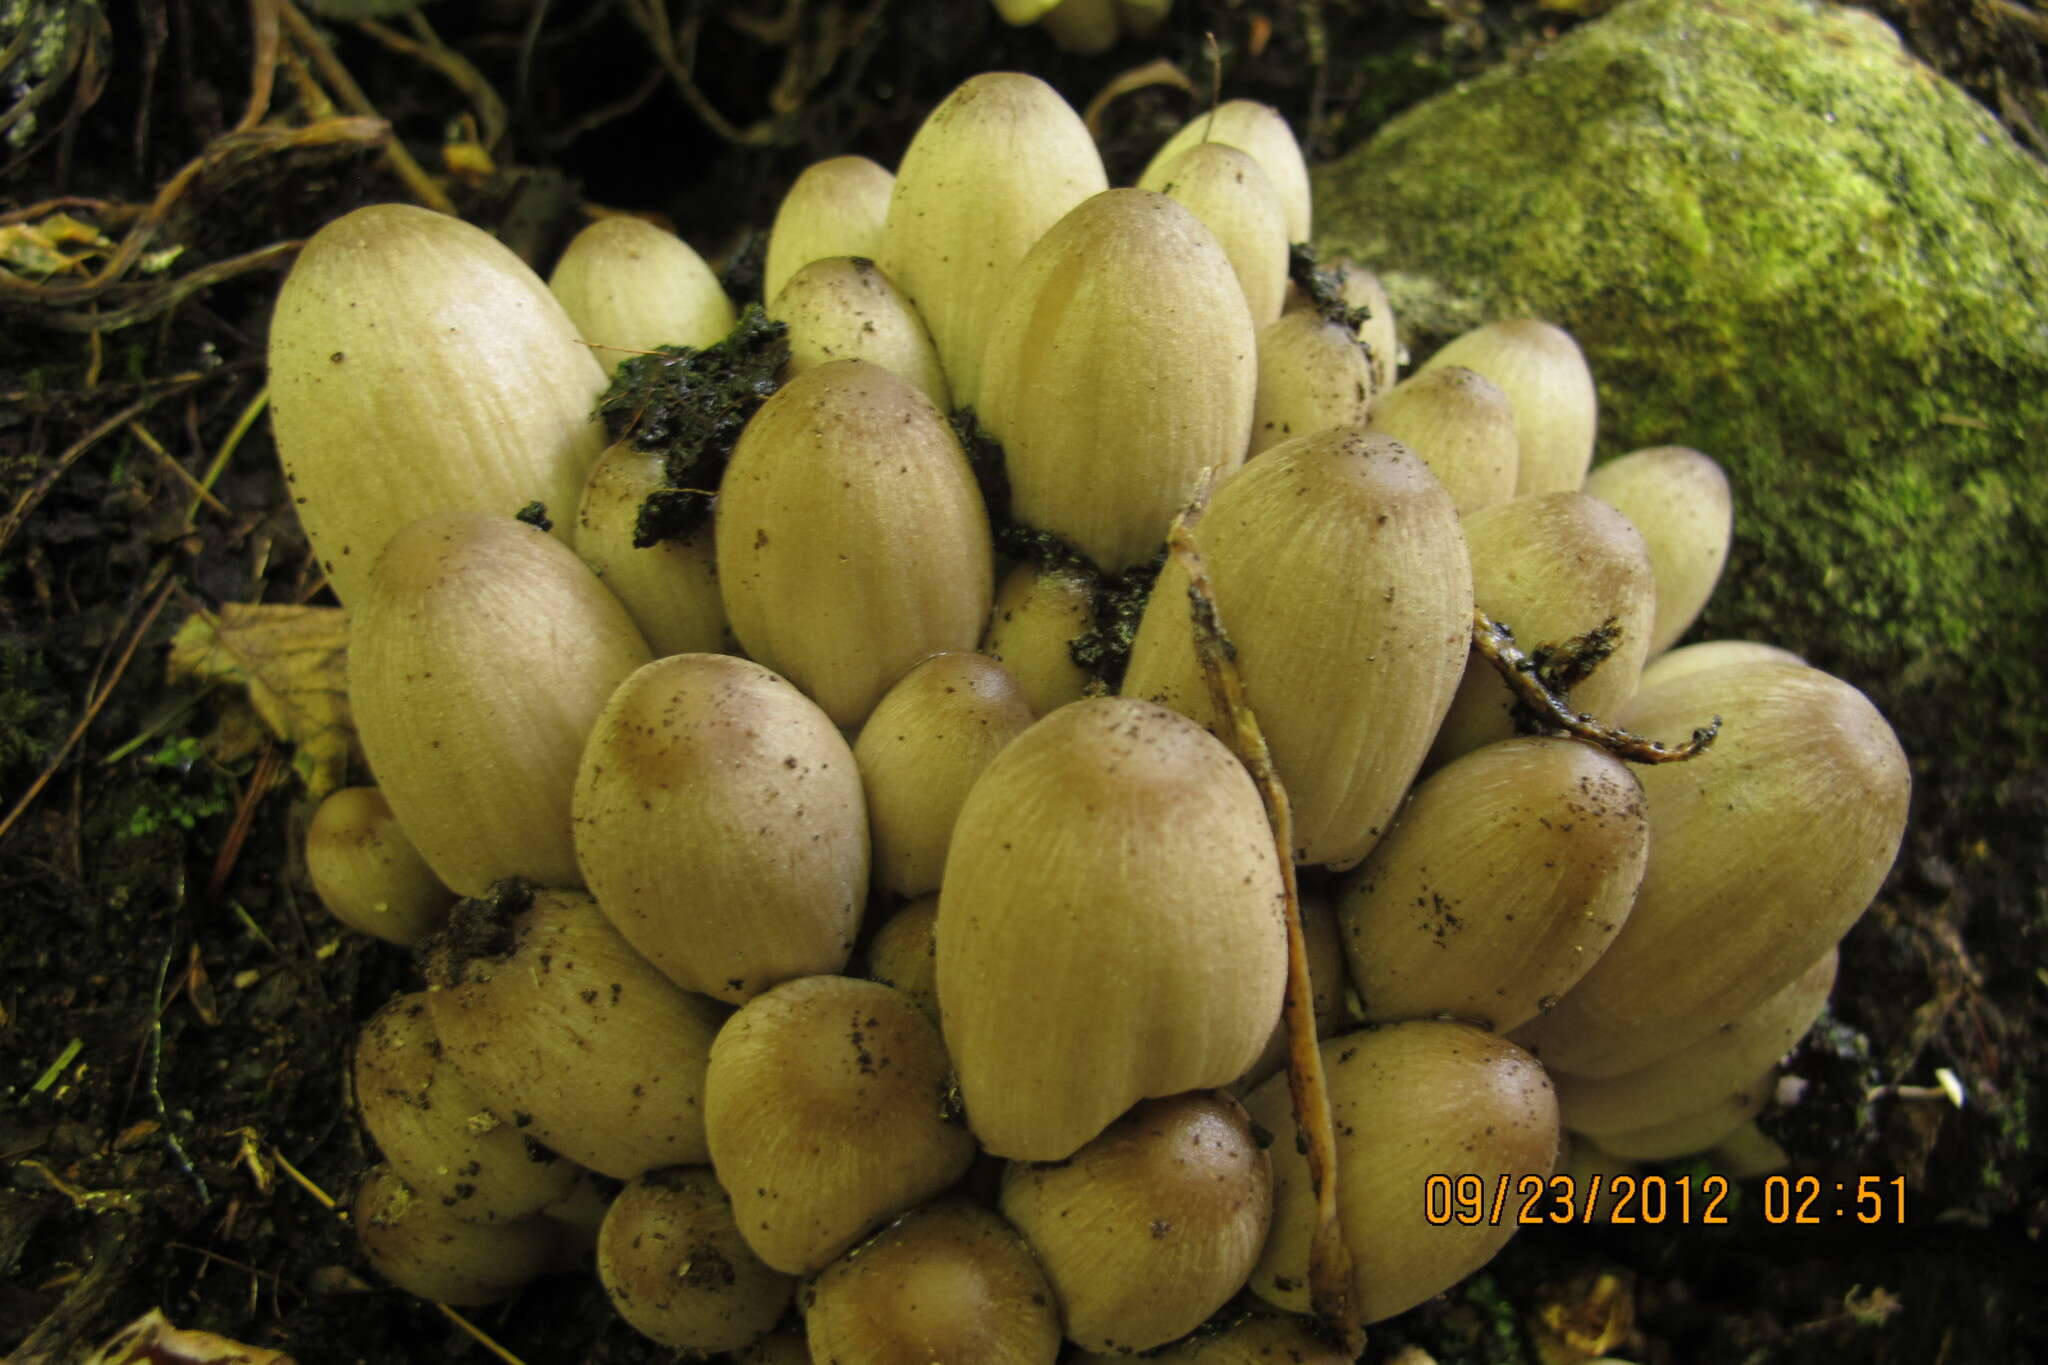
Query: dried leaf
{"x": 151, "y": 1340}
{"x": 293, "y": 663}
{"x": 58, "y": 245}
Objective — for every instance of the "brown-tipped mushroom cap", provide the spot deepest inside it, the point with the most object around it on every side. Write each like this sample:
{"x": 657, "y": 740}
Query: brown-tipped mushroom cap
{"x": 561, "y": 1026}
{"x": 720, "y": 823}
{"x": 675, "y": 1266}
{"x": 424, "y": 1250}
{"x": 1409, "y": 1102}
{"x": 437, "y": 1131}
{"x": 824, "y": 1106}
{"x": 368, "y": 874}
{"x": 949, "y": 1282}
{"x": 1152, "y": 1226}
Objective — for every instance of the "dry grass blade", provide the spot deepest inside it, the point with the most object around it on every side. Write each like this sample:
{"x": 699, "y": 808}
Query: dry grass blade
{"x": 1330, "y": 1271}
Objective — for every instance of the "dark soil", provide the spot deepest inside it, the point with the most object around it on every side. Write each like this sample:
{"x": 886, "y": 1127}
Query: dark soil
{"x": 176, "y": 1010}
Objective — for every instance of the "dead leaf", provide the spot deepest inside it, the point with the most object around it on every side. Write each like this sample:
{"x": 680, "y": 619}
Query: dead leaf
{"x": 151, "y": 1340}
{"x": 58, "y": 245}
{"x": 293, "y": 662}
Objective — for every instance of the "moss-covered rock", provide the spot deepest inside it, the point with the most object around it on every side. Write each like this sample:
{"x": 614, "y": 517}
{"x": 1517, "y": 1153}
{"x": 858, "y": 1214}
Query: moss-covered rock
{"x": 1781, "y": 240}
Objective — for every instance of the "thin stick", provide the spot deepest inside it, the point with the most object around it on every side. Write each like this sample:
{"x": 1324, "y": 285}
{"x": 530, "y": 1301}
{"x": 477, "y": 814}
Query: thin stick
{"x": 260, "y": 782}
{"x": 1330, "y": 1271}
{"x": 299, "y": 1178}
{"x": 478, "y": 1335}
{"x": 92, "y": 712}
{"x": 326, "y": 1201}
{"x": 162, "y": 298}
{"x": 37, "y": 491}
{"x": 1496, "y": 644}
{"x": 456, "y": 69}
{"x": 267, "y": 43}
{"x": 155, "y": 1056}
{"x": 170, "y": 462}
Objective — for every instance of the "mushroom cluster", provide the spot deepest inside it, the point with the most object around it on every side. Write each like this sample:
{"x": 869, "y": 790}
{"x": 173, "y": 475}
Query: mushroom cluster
{"x": 873, "y": 908}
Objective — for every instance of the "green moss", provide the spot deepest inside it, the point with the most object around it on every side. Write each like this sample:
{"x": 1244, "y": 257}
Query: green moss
{"x": 191, "y": 791}
{"x": 1782, "y": 241}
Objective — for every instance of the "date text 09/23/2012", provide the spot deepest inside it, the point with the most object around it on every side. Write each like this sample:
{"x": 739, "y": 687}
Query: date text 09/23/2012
{"x": 1702, "y": 1200}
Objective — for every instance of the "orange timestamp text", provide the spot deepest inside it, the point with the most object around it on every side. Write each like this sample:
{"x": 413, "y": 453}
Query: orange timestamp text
{"x": 1526, "y": 1200}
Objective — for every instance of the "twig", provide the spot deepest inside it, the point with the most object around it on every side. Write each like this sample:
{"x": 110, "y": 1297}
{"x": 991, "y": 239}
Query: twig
{"x": 37, "y": 491}
{"x": 326, "y": 1201}
{"x": 92, "y": 711}
{"x": 1330, "y": 1270}
{"x": 1158, "y": 71}
{"x": 140, "y": 235}
{"x": 606, "y": 113}
{"x": 170, "y": 462}
{"x": 429, "y": 50}
{"x": 2025, "y": 15}
{"x": 56, "y": 1068}
{"x": 1496, "y": 644}
{"x": 260, "y": 782}
{"x": 300, "y": 1179}
{"x": 676, "y": 47}
{"x": 344, "y": 85}
{"x": 268, "y": 44}
{"x": 168, "y": 295}
{"x": 478, "y": 1335}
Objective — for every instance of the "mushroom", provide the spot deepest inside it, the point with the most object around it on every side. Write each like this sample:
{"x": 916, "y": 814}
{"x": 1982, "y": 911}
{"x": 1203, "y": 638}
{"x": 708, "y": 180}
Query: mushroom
{"x": 928, "y": 739}
{"x": 423, "y": 1249}
{"x": 1106, "y": 831}
{"x": 720, "y": 823}
{"x": 630, "y": 286}
{"x": 999, "y": 161}
{"x": 1543, "y": 373}
{"x": 675, "y": 1266}
{"x": 1338, "y": 570}
{"x": 1153, "y": 1225}
{"x": 1416, "y": 1106}
{"x": 948, "y": 1282}
{"x": 1121, "y": 368}
{"x": 824, "y": 1106}
{"x": 367, "y": 872}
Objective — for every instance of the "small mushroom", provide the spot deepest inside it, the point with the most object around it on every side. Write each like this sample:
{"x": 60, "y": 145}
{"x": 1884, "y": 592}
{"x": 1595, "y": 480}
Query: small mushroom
{"x": 1151, "y": 1227}
{"x": 675, "y": 1266}
{"x": 423, "y": 1249}
{"x": 949, "y": 1282}
{"x": 367, "y": 872}
{"x": 825, "y": 1110}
